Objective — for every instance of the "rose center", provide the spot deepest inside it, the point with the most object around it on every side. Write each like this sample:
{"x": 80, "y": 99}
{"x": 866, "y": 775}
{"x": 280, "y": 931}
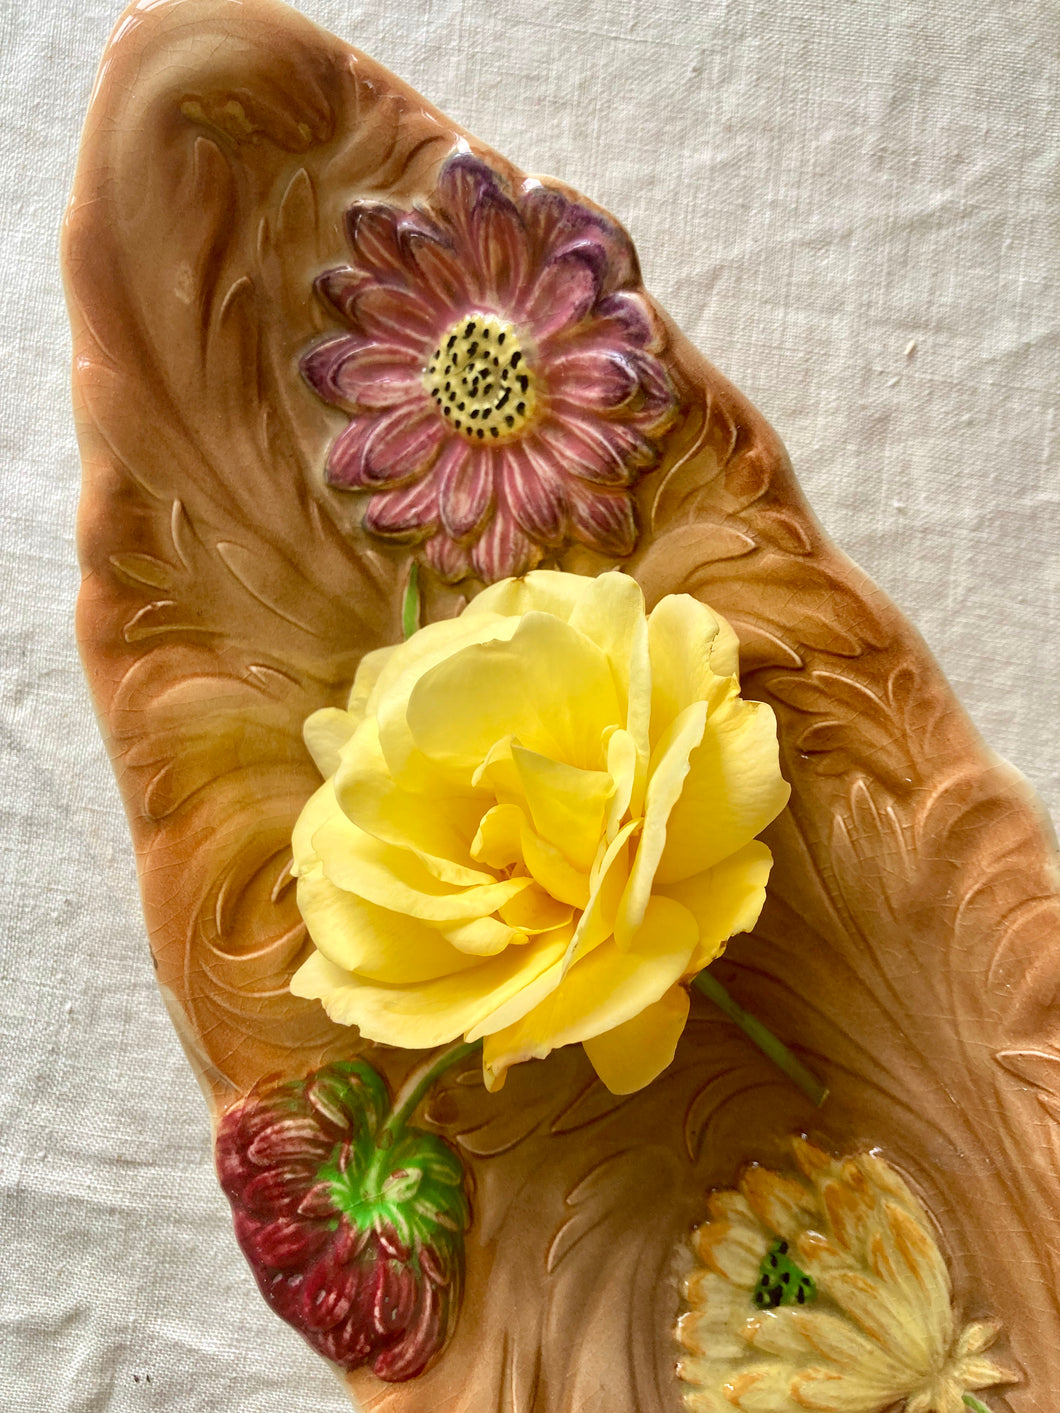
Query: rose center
{"x": 479, "y": 380}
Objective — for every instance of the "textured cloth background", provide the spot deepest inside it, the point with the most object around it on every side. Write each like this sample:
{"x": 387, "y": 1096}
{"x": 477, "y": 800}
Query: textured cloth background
{"x": 851, "y": 207}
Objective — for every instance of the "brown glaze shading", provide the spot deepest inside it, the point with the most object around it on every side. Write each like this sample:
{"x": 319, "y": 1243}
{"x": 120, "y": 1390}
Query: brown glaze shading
{"x": 910, "y": 945}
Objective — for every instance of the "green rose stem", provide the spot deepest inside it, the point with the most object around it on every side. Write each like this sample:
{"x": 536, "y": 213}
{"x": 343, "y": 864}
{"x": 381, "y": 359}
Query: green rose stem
{"x": 410, "y": 608}
{"x": 764, "y": 1038}
{"x": 970, "y": 1401}
{"x": 418, "y": 1084}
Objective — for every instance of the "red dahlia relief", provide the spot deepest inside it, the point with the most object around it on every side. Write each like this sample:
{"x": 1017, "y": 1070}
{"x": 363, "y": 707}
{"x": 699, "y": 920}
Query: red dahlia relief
{"x": 353, "y": 1224}
{"x": 499, "y": 367}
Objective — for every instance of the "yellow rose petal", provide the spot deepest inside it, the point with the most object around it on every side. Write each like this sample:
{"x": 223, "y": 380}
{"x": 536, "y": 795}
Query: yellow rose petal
{"x": 607, "y": 884}
{"x": 362, "y": 937}
{"x": 636, "y": 1052}
{"x": 368, "y": 672}
{"x": 552, "y": 869}
{"x": 421, "y": 1015}
{"x": 460, "y": 708}
{"x": 535, "y": 911}
{"x": 733, "y": 790}
{"x": 669, "y": 769}
{"x": 438, "y": 827}
{"x": 611, "y": 613}
{"x": 396, "y": 879}
{"x": 434, "y": 644}
{"x": 318, "y": 809}
{"x": 484, "y": 936}
{"x": 497, "y": 774}
{"x": 325, "y": 733}
{"x": 602, "y": 990}
{"x": 541, "y": 591}
{"x": 688, "y": 643}
{"x": 566, "y": 804}
{"x": 725, "y": 899}
{"x": 408, "y": 661}
{"x": 622, "y": 764}
{"x": 498, "y": 841}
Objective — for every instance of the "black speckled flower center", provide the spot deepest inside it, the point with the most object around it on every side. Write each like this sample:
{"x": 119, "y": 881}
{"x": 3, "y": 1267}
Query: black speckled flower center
{"x": 479, "y": 380}
{"x": 781, "y": 1282}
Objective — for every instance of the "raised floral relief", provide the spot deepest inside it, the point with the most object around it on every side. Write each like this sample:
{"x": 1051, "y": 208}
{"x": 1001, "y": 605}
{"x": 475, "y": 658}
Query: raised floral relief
{"x": 538, "y": 823}
{"x": 825, "y": 1289}
{"x": 499, "y": 368}
{"x": 352, "y": 1222}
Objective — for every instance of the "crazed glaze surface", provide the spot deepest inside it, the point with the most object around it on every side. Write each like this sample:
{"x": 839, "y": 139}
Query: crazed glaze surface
{"x": 909, "y": 946}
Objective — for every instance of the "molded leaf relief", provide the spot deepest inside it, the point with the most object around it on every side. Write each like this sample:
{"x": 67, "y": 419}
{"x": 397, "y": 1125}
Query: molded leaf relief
{"x": 909, "y": 945}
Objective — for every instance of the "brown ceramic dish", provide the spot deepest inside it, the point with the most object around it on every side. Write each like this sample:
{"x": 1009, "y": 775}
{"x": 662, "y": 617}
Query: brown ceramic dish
{"x": 909, "y": 945}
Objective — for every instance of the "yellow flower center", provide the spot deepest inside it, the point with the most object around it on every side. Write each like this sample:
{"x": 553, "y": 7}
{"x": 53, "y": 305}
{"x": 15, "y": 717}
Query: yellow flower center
{"x": 479, "y": 380}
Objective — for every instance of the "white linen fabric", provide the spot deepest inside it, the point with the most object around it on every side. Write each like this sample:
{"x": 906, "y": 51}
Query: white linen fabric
{"x": 850, "y": 207}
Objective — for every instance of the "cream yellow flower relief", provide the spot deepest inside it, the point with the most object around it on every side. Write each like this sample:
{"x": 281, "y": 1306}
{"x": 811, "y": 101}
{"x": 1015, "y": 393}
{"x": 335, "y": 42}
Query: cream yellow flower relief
{"x": 825, "y": 1289}
{"x": 538, "y": 823}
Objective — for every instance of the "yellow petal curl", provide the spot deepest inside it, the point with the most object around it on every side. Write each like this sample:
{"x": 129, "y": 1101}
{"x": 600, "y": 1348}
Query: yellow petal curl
{"x": 538, "y": 822}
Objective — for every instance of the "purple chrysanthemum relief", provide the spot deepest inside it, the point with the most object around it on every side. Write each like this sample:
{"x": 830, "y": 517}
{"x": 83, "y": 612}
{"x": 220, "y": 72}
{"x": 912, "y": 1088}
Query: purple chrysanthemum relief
{"x": 499, "y": 365}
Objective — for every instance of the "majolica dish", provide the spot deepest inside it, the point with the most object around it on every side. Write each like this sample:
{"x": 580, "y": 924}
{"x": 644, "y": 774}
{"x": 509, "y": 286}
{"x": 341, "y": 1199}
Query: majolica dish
{"x": 323, "y": 337}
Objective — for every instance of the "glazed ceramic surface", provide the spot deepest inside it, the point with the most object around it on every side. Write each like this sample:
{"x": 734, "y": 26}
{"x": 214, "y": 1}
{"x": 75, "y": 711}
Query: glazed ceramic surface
{"x": 233, "y": 582}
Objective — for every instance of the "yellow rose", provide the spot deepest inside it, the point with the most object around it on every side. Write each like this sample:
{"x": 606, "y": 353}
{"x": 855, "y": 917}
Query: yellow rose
{"x": 538, "y": 823}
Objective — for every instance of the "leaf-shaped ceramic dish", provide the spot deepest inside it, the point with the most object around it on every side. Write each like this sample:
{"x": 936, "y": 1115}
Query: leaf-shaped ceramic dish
{"x": 908, "y": 947}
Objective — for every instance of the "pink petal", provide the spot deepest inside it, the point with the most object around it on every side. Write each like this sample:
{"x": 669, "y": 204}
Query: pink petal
{"x": 604, "y": 522}
{"x": 439, "y": 270}
{"x": 465, "y": 487}
{"x": 503, "y": 549}
{"x": 592, "y": 377}
{"x": 340, "y": 288}
{"x": 556, "y": 224}
{"x": 462, "y": 182}
{"x": 405, "y": 511}
{"x": 564, "y": 293}
{"x": 372, "y": 229}
{"x": 608, "y": 453}
{"x": 450, "y": 561}
{"x": 321, "y": 365}
{"x": 377, "y": 375}
{"x": 658, "y": 400}
{"x": 623, "y": 318}
{"x": 404, "y": 443}
{"x": 412, "y": 320}
{"x": 346, "y": 466}
{"x": 379, "y": 450}
{"x": 500, "y": 246}
{"x": 534, "y": 489}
